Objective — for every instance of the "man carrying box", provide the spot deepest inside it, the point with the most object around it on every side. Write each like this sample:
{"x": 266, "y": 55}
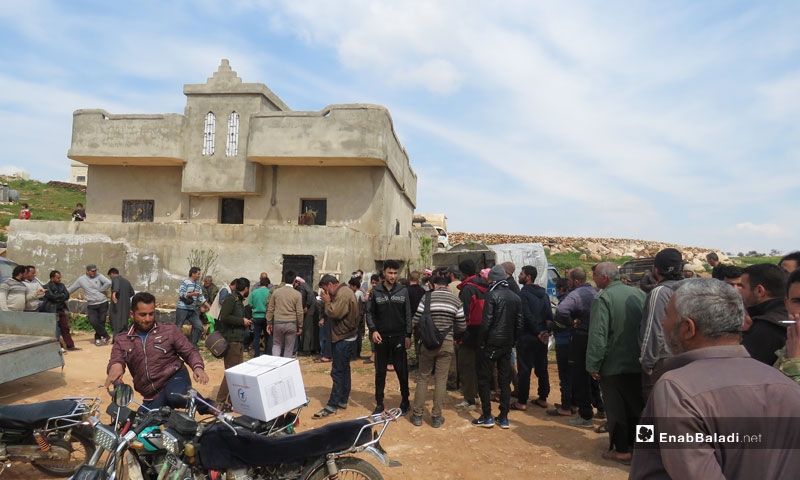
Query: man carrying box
{"x": 342, "y": 310}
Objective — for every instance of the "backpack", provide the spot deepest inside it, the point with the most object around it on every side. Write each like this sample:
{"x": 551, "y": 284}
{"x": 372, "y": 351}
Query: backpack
{"x": 475, "y": 314}
{"x": 432, "y": 338}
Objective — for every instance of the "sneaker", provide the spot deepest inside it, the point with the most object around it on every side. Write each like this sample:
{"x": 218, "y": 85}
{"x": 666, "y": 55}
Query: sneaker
{"x": 98, "y": 342}
{"x": 415, "y": 420}
{"x": 63, "y": 350}
{"x": 437, "y": 422}
{"x": 378, "y": 409}
{"x": 324, "y": 413}
{"x": 404, "y": 407}
{"x": 466, "y": 404}
{"x": 578, "y": 421}
{"x": 502, "y": 422}
{"x": 485, "y": 422}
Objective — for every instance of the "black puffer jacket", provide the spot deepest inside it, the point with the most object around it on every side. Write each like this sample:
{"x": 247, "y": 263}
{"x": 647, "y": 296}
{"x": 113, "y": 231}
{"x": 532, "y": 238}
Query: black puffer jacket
{"x": 55, "y": 297}
{"x": 502, "y": 317}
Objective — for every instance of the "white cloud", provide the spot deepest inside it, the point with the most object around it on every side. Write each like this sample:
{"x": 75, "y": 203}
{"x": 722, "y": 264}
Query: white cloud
{"x": 769, "y": 229}
{"x": 438, "y": 76}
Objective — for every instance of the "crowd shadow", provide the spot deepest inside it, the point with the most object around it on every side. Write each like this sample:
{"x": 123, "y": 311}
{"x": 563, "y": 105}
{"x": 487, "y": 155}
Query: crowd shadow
{"x": 21, "y": 389}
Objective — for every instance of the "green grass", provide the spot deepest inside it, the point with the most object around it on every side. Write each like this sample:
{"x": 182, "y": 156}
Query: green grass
{"x": 745, "y": 261}
{"x": 569, "y": 260}
{"x": 45, "y": 202}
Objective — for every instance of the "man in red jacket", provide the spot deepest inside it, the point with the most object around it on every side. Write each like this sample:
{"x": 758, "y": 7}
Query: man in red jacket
{"x": 155, "y": 355}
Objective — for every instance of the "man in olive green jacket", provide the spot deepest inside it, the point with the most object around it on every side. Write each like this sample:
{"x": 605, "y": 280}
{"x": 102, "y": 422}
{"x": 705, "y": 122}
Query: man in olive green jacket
{"x": 232, "y": 325}
{"x": 612, "y": 356}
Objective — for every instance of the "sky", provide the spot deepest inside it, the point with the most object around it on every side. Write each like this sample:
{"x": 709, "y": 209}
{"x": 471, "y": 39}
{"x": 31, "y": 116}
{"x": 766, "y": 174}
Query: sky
{"x": 670, "y": 121}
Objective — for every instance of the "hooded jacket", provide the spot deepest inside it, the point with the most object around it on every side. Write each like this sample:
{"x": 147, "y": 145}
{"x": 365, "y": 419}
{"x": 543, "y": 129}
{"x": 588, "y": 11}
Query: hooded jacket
{"x": 767, "y": 334}
{"x": 502, "y": 317}
{"x": 536, "y": 311}
{"x": 651, "y": 333}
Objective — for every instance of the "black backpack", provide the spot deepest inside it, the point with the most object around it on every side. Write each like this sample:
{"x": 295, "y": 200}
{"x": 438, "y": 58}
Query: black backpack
{"x": 432, "y": 338}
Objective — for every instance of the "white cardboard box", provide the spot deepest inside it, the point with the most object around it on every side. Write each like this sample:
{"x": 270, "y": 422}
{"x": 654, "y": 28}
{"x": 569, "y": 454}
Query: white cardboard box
{"x": 266, "y": 387}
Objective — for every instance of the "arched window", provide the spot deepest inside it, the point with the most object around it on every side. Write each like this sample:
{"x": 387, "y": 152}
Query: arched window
{"x": 208, "y": 134}
{"x": 232, "y": 147}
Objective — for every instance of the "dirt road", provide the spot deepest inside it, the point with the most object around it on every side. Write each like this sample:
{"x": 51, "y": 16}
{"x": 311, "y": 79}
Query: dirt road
{"x": 536, "y": 446}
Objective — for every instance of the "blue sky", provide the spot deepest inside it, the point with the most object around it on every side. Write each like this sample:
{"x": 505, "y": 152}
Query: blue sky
{"x": 673, "y": 121}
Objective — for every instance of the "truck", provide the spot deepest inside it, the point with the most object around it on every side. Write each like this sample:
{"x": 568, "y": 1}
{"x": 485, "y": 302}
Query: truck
{"x": 28, "y": 344}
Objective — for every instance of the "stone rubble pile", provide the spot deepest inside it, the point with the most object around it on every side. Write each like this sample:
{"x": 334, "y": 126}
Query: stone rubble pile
{"x": 592, "y": 248}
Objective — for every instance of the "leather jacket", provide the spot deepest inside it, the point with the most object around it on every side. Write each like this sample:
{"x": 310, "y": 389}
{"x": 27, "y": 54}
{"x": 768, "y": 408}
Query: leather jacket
{"x": 502, "y": 317}
{"x": 154, "y": 360}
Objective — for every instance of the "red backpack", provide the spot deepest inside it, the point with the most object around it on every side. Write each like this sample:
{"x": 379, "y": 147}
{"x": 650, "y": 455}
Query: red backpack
{"x": 475, "y": 314}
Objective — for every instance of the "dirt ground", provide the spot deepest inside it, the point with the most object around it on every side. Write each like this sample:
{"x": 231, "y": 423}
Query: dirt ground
{"x": 535, "y": 445}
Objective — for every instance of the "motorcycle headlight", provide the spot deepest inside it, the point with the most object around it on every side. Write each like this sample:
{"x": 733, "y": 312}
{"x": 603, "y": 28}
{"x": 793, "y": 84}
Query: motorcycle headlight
{"x": 172, "y": 443}
{"x": 104, "y": 437}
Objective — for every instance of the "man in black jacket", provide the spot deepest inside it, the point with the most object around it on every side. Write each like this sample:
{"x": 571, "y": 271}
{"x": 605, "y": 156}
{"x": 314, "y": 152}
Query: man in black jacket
{"x": 532, "y": 345}
{"x": 502, "y": 323}
{"x": 55, "y": 301}
{"x": 763, "y": 288}
{"x": 389, "y": 323}
{"x": 232, "y": 325}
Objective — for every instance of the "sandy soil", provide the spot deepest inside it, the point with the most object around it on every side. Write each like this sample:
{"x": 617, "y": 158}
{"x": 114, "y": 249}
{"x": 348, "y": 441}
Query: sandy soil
{"x": 535, "y": 445}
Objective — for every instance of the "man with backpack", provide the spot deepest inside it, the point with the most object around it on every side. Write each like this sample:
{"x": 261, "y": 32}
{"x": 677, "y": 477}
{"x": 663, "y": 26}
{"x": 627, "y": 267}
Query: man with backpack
{"x": 389, "y": 322}
{"x": 439, "y": 315}
{"x": 471, "y": 294}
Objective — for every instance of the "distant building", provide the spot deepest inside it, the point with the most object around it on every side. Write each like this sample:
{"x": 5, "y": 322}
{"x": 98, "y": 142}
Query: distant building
{"x": 242, "y": 174}
{"x": 78, "y": 172}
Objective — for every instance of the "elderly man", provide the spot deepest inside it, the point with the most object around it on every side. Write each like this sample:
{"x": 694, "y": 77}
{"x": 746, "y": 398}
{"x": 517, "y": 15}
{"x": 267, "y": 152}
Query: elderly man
{"x": 612, "y": 356}
{"x": 712, "y": 386}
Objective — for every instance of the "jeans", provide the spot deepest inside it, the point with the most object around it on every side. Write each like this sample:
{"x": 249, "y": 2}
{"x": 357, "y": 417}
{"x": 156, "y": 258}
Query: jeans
{"x": 284, "y": 335}
{"x": 178, "y": 383}
{"x": 340, "y": 374}
{"x": 325, "y": 340}
{"x": 436, "y": 362}
{"x": 391, "y": 350}
{"x": 532, "y": 355}
{"x": 564, "y": 375}
{"x": 97, "y": 318}
{"x": 181, "y": 316}
{"x": 259, "y": 331}
{"x": 502, "y": 360}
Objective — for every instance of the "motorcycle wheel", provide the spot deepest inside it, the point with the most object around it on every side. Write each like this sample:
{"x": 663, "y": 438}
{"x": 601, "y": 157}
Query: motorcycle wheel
{"x": 350, "y": 468}
{"x": 81, "y": 450}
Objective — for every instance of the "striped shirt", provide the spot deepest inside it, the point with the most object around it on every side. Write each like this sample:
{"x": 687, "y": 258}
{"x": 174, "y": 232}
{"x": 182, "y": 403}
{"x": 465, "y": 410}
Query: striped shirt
{"x": 446, "y": 311}
{"x": 188, "y": 286}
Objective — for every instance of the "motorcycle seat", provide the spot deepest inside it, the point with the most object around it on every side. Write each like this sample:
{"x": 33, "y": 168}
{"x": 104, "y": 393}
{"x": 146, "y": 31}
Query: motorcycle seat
{"x": 220, "y": 449}
{"x": 35, "y": 415}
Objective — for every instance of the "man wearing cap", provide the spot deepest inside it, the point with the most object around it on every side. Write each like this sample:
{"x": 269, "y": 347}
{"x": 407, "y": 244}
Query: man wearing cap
{"x": 668, "y": 272}
{"x": 94, "y": 286}
{"x": 499, "y": 330}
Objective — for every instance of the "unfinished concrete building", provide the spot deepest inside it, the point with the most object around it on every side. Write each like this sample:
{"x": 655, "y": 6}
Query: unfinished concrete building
{"x": 265, "y": 187}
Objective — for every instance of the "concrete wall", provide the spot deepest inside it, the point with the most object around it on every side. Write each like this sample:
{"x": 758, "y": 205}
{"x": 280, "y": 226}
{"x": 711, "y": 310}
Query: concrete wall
{"x": 101, "y": 138}
{"x": 153, "y": 255}
{"x": 109, "y": 185}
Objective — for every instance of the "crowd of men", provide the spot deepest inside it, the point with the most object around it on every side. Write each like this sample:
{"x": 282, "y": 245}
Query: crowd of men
{"x": 677, "y": 354}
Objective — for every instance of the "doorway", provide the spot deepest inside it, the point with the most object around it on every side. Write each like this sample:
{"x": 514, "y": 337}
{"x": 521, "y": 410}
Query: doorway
{"x": 301, "y": 265}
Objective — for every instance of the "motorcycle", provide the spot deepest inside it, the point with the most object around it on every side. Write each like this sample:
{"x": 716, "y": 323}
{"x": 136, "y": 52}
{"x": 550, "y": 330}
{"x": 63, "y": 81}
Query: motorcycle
{"x": 54, "y": 436}
{"x": 224, "y": 447}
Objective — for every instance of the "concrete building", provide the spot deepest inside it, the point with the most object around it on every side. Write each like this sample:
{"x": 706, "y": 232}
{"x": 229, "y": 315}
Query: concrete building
{"x": 78, "y": 172}
{"x": 265, "y": 187}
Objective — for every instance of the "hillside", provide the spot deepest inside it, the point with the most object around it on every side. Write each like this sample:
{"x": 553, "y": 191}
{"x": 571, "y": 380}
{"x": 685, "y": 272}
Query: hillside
{"x": 47, "y": 202}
